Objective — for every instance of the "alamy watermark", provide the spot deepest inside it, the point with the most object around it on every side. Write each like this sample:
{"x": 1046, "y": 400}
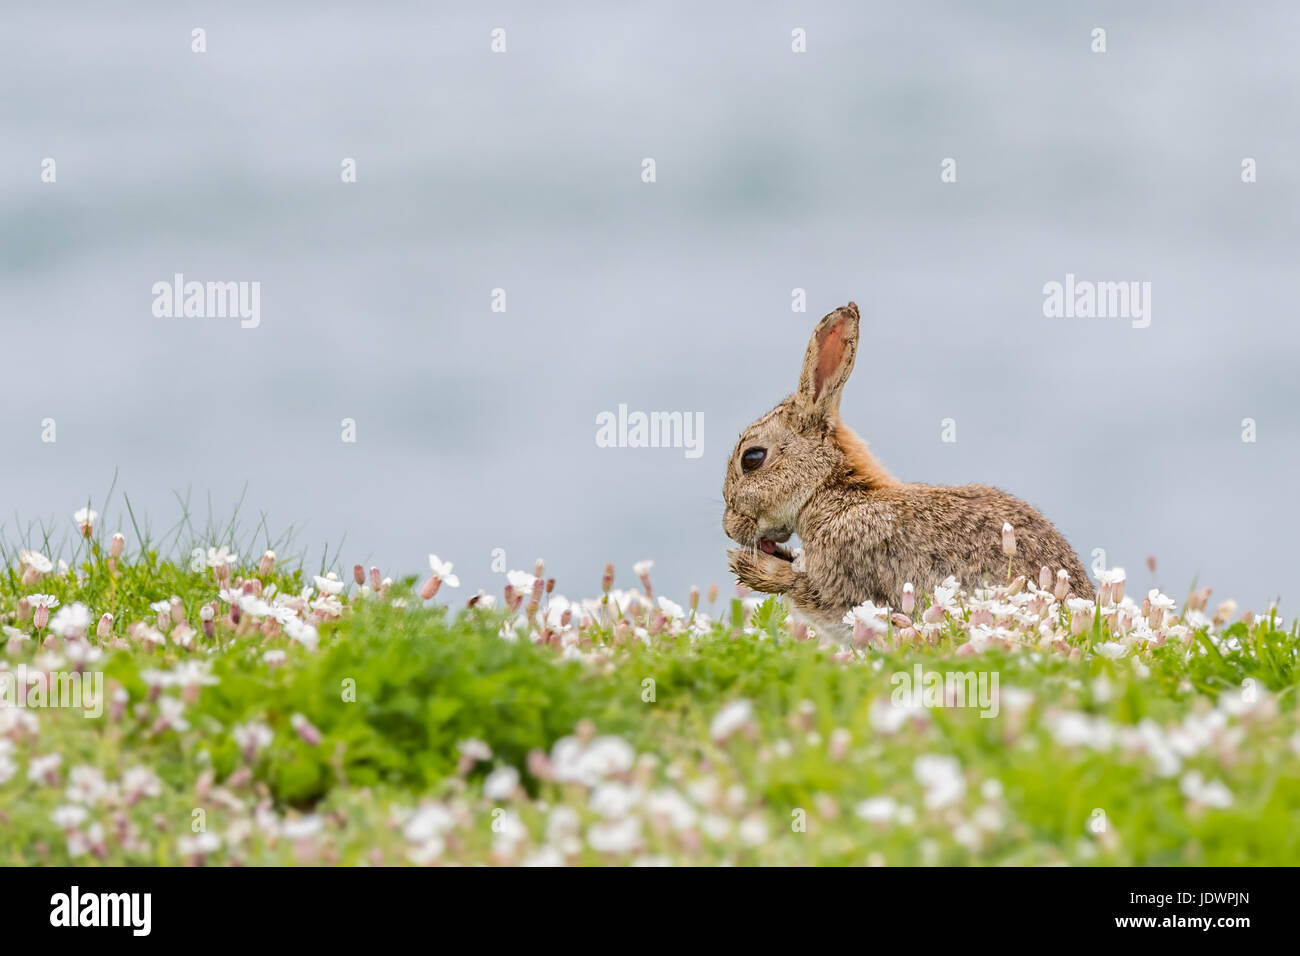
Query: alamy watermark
{"x": 1085, "y": 299}
{"x": 25, "y": 688}
{"x": 626, "y": 429}
{"x": 922, "y": 688}
{"x": 179, "y": 299}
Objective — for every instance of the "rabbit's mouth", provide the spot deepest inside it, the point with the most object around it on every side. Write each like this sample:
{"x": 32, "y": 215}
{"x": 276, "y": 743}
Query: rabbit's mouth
{"x": 769, "y": 542}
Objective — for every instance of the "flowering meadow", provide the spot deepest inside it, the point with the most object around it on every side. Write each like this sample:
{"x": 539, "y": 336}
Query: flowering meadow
{"x": 236, "y": 710}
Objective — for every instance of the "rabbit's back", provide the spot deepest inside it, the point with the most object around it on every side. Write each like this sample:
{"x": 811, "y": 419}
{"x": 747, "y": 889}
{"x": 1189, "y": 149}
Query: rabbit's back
{"x": 870, "y": 545}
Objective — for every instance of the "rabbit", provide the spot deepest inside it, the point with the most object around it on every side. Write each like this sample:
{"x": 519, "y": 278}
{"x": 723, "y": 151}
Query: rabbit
{"x": 800, "y": 470}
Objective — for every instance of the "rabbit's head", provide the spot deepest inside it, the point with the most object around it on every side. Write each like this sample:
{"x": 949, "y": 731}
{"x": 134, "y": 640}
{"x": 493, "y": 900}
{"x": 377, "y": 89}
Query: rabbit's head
{"x": 799, "y": 446}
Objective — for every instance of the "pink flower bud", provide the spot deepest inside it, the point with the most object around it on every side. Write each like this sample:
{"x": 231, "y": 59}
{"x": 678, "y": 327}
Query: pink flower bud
{"x": 306, "y": 729}
{"x": 713, "y": 593}
{"x": 1062, "y": 584}
{"x": 430, "y": 588}
{"x": 117, "y": 545}
{"x": 41, "y": 617}
{"x": 1044, "y": 578}
{"x": 359, "y": 575}
{"x": 909, "y": 598}
{"x": 105, "y": 626}
{"x": 539, "y": 764}
{"x": 375, "y": 582}
{"x": 840, "y": 742}
{"x": 607, "y": 581}
{"x": 1008, "y": 539}
{"x": 267, "y": 564}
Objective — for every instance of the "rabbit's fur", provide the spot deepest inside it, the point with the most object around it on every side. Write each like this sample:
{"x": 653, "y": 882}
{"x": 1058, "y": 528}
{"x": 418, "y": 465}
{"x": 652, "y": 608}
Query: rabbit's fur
{"x": 865, "y": 534}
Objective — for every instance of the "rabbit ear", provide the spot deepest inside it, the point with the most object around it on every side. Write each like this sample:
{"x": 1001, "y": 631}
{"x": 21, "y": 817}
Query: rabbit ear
{"x": 828, "y": 361}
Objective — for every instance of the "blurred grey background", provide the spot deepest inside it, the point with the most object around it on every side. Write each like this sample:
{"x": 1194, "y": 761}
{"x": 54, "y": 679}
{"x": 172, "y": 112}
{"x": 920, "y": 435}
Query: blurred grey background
{"x": 775, "y": 171}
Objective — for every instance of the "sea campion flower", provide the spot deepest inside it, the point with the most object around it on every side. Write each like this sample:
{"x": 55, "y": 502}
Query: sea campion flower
{"x": 306, "y": 729}
{"x": 330, "y": 584}
{"x": 251, "y": 738}
{"x": 41, "y": 605}
{"x": 71, "y": 621}
{"x": 442, "y": 571}
{"x": 731, "y": 719}
{"x": 1008, "y": 539}
{"x": 35, "y": 566}
{"x": 441, "y": 575}
{"x": 221, "y": 557}
{"x": 86, "y": 519}
{"x": 642, "y": 570}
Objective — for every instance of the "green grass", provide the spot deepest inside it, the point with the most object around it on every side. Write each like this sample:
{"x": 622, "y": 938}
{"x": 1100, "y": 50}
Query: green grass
{"x": 396, "y": 686}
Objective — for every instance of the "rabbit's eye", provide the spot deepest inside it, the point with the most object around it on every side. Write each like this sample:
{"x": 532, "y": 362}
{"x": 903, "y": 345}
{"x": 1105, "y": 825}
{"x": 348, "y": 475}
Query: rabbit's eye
{"x": 751, "y": 458}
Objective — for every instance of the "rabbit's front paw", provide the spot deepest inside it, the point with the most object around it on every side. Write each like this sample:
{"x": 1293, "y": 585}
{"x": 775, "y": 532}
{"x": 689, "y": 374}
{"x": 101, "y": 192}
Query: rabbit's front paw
{"x": 761, "y": 572}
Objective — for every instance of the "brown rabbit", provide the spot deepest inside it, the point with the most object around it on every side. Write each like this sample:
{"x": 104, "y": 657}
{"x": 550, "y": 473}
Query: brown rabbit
{"x": 800, "y": 470}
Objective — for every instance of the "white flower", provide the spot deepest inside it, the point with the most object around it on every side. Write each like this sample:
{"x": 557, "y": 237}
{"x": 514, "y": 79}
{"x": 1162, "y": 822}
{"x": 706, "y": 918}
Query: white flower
{"x": 944, "y": 594}
{"x": 69, "y": 816}
{"x": 603, "y": 757}
{"x": 612, "y": 800}
{"x": 1112, "y": 649}
{"x": 304, "y": 634}
{"x": 546, "y": 856}
{"x": 730, "y": 719}
{"x": 501, "y": 783}
{"x": 48, "y": 601}
{"x": 1112, "y": 576}
{"x": 615, "y": 836}
{"x": 194, "y": 674}
{"x": 73, "y": 619}
{"x": 642, "y": 568}
{"x": 753, "y": 830}
{"x": 1212, "y": 794}
{"x": 198, "y": 844}
{"x": 877, "y": 809}
{"x": 85, "y": 519}
{"x": 36, "y": 561}
{"x": 868, "y": 613}
{"x": 329, "y": 585}
{"x": 140, "y": 781}
{"x": 432, "y": 820}
{"x": 38, "y": 768}
{"x": 475, "y": 750}
{"x": 219, "y": 557}
{"x": 171, "y": 713}
{"x": 301, "y": 828}
{"x": 671, "y": 610}
{"x": 442, "y": 571}
{"x": 86, "y": 785}
{"x": 942, "y": 779}
{"x": 672, "y": 806}
{"x": 1162, "y": 601}
{"x": 521, "y": 581}
{"x": 253, "y": 736}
